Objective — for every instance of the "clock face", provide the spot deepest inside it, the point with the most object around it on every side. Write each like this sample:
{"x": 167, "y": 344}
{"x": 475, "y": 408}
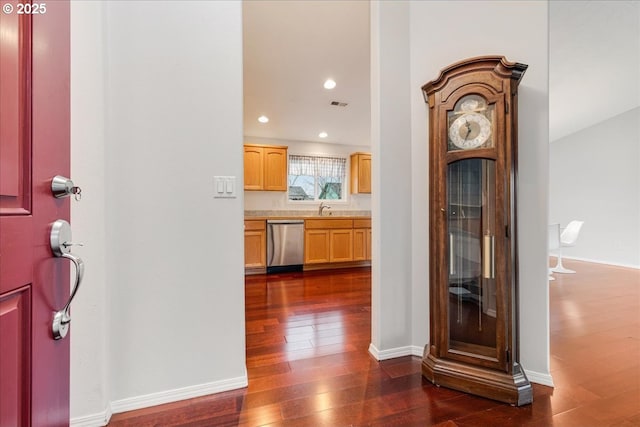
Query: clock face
{"x": 470, "y": 131}
{"x": 470, "y": 124}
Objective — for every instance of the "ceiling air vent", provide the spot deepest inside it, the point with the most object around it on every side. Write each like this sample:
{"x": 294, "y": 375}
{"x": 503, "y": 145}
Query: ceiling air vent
{"x": 339, "y": 104}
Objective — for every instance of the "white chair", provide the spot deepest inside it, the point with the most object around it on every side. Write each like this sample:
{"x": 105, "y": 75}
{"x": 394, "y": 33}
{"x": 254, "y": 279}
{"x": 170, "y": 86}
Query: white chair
{"x": 567, "y": 238}
{"x": 553, "y": 242}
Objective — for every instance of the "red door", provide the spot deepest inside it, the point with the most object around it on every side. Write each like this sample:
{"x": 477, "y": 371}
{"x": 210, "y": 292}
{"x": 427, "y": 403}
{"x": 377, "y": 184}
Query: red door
{"x": 34, "y": 147}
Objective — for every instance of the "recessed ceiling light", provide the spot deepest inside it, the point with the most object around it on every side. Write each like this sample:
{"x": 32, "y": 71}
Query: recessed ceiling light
{"x": 323, "y": 134}
{"x": 263, "y": 119}
{"x": 329, "y": 84}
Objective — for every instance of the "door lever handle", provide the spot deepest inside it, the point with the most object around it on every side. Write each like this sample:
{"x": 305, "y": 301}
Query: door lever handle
{"x": 60, "y": 241}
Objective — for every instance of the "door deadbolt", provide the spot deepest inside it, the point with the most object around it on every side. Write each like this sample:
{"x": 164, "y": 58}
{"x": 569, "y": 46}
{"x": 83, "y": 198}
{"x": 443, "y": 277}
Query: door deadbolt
{"x": 63, "y": 187}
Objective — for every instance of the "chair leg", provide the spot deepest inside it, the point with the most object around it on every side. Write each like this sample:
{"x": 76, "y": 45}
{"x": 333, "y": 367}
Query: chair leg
{"x": 559, "y": 268}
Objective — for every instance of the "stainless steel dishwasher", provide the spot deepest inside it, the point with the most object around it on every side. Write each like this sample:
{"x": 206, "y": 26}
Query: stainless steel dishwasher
{"x": 285, "y": 245}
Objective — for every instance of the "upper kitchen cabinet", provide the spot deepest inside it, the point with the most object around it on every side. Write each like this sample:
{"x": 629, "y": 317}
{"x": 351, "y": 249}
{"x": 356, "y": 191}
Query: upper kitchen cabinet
{"x": 360, "y": 173}
{"x": 253, "y": 168}
{"x": 265, "y": 167}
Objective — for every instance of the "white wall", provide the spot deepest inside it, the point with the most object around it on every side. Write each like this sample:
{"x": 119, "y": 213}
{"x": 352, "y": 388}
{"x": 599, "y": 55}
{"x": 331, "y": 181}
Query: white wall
{"x": 164, "y": 285}
{"x": 391, "y": 294}
{"x": 90, "y": 311}
{"x": 175, "y": 120}
{"x": 278, "y": 200}
{"x": 595, "y": 177}
{"x": 517, "y": 30}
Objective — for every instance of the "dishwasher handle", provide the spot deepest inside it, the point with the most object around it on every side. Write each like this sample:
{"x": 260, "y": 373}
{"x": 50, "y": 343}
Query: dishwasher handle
{"x": 271, "y": 249}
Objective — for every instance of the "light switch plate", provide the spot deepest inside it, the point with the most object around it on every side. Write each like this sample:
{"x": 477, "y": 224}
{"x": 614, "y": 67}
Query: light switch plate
{"x": 224, "y": 187}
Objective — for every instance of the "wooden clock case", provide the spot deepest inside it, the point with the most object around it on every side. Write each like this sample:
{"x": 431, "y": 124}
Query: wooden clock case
{"x": 461, "y": 354}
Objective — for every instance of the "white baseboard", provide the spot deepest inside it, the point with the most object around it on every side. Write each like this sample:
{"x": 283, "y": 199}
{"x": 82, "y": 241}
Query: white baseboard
{"x": 392, "y": 353}
{"x": 539, "y": 378}
{"x": 94, "y": 420}
{"x": 153, "y": 399}
{"x": 596, "y": 261}
{"x": 417, "y": 350}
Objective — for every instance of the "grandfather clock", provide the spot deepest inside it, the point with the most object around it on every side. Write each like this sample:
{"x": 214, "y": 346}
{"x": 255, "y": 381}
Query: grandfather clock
{"x": 473, "y": 279}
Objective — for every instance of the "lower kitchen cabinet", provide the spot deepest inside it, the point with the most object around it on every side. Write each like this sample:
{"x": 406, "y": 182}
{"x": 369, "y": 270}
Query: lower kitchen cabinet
{"x": 328, "y": 243}
{"x": 255, "y": 244}
{"x": 362, "y": 240}
{"x": 324, "y": 246}
{"x": 360, "y": 244}
{"x": 337, "y": 242}
{"x": 328, "y": 240}
{"x": 340, "y": 245}
{"x": 316, "y": 246}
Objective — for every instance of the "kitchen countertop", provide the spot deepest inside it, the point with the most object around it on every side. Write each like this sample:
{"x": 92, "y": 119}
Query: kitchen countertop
{"x": 305, "y": 214}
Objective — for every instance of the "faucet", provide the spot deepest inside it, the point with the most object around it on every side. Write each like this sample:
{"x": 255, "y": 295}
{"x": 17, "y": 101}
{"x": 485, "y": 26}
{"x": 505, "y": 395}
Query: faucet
{"x": 322, "y": 207}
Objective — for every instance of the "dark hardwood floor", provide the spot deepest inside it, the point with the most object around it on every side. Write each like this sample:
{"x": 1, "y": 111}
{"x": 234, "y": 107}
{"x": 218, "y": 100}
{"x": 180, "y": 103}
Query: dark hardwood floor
{"x": 308, "y": 364}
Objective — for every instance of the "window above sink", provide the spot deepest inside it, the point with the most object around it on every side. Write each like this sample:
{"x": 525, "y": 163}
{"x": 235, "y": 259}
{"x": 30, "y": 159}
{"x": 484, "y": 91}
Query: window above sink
{"x": 316, "y": 178}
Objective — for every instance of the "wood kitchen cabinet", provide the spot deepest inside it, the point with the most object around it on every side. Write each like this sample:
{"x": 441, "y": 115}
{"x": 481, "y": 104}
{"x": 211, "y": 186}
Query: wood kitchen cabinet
{"x": 265, "y": 167}
{"x": 362, "y": 240}
{"x": 328, "y": 243}
{"x": 360, "y": 173}
{"x": 340, "y": 245}
{"x": 253, "y": 167}
{"x": 316, "y": 246}
{"x": 255, "y": 244}
{"x": 328, "y": 240}
{"x": 275, "y": 168}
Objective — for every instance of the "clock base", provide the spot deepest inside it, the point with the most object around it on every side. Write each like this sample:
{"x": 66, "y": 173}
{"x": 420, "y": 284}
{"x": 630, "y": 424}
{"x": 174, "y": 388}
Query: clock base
{"x": 514, "y": 389}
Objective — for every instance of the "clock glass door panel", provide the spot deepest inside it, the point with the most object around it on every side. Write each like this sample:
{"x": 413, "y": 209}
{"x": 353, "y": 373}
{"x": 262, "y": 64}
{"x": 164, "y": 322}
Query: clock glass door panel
{"x": 471, "y": 224}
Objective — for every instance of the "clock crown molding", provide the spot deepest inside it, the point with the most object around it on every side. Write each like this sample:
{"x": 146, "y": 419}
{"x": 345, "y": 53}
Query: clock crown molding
{"x": 495, "y": 63}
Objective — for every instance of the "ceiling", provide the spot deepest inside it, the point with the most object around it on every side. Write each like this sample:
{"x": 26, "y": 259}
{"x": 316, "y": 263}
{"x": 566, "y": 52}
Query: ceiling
{"x": 292, "y": 47}
{"x": 594, "y": 63}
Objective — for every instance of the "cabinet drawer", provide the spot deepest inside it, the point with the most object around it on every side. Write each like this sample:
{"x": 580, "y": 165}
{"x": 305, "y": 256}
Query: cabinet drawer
{"x": 328, "y": 223}
{"x": 255, "y": 224}
{"x": 362, "y": 223}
